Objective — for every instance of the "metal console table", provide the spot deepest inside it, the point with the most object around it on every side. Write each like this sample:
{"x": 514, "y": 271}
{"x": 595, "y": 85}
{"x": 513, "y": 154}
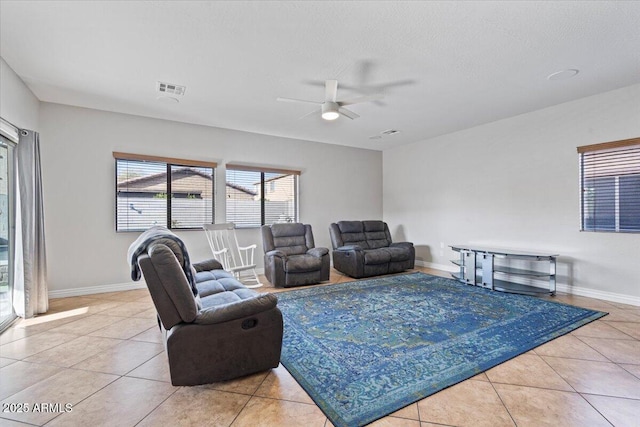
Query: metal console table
{"x": 503, "y": 270}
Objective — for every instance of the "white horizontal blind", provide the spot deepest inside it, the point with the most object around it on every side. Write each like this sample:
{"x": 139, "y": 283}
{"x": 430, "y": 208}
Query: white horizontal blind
{"x": 280, "y": 201}
{"x": 243, "y": 198}
{"x": 610, "y": 188}
{"x": 261, "y": 197}
{"x": 142, "y": 195}
{"x": 192, "y": 192}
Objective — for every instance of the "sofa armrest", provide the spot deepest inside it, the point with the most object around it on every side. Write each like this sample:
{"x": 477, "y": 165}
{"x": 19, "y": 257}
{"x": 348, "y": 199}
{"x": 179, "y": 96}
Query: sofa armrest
{"x": 401, "y": 244}
{"x": 349, "y": 248}
{"x": 318, "y": 252}
{"x": 236, "y": 310}
{"x": 275, "y": 253}
{"x": 207, "y": 265}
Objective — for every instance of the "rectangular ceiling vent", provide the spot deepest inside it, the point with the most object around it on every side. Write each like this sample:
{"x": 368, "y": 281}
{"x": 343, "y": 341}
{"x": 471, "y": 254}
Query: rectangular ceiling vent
{"x": 171, "y": 89}
{"x": 389, "y": 132}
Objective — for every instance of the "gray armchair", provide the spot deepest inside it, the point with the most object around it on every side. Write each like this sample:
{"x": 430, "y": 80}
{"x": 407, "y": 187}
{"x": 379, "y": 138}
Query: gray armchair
{"x": 214, "y": 328}
{"x": 364, "y": 249}
{"x": 290, "y": 256}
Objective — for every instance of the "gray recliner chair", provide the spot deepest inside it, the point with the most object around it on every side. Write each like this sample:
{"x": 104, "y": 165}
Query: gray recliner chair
{"x": 290, "y": 255}
{"x": 214, "y": 328}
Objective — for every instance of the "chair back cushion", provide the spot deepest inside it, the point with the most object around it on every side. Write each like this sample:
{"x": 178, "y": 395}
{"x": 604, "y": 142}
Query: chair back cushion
{"x": 352, "y": 233}
{"x": 290, "y": 238}
{"x": 168, "y": 285}
{"x": 366, "y": 234}
{"x": 377, "y": 234}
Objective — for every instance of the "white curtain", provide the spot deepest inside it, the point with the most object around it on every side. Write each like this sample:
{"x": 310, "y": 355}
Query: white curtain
{"x": 30, "y": 269}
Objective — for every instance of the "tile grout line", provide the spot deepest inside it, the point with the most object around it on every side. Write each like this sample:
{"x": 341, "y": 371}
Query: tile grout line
{"x": 504, "y": 405}
{"x": 596, "y": 409}
{"x": 159, "y": 404}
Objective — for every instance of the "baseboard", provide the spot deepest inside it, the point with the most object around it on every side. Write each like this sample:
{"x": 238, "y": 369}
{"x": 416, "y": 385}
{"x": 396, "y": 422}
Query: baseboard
{"x": 603, "y": 295}
{"x": 450, "y": 268}
{"x": 571, "y": 290}
{"x": 100, "y": 289}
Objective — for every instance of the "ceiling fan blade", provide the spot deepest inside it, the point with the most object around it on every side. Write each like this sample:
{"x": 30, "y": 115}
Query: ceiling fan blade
{"x": 302, "y": 101}
{"x": 361, "y": 99}
{"x": 348, "y": 113}
{"x": 331, "y": 90}
{"x": 310, "y": 113}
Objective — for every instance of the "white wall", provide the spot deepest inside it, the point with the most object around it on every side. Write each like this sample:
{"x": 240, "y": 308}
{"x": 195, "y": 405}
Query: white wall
{"x": 83, "y": 249}
{"x": 18, "y": 105}
{"x": 514, "y": 184}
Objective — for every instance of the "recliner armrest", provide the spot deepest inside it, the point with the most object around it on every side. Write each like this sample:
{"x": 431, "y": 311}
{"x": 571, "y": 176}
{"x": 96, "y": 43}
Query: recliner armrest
{"x": 207, "y": 265}
{"x": 349, "y": 248}
{"x": 277, "y": 253}
{"x": 318, "y": 252}
{"x": 236, "y": 310}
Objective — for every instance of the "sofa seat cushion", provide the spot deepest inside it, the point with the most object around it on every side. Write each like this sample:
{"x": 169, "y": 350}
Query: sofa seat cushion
{"x": 224, "y": 282}
{"x": 302, "y": 264}
{"x": 376, "y": 256}
{"x": 204, "y": 276}
{"x": 231, "y": 295}
{"x": 209, "y": 287}
{"x": 220, "y": 298}
{"x": 398, "y": 253}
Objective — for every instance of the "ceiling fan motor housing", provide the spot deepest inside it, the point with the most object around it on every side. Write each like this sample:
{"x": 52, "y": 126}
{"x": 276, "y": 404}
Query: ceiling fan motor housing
{"x": 330, "y": 110}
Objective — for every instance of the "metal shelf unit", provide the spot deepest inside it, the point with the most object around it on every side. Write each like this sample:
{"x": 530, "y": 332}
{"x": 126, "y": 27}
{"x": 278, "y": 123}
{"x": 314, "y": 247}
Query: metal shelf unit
{"x": 477, "y": 266}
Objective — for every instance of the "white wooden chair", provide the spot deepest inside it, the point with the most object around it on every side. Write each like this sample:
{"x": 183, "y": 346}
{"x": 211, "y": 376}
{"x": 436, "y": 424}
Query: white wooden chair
{"x": 234, "y": 258}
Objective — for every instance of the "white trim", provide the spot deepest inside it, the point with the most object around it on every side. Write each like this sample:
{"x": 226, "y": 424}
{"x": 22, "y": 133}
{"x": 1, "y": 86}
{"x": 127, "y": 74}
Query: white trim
{"x": 568, "y": 289}
{"x": 9, "y": 131}
{"x": 594, "y": 293}
{"x": 571, "y": 290}
{"x": 100, "y": 289}
{"x": 426, "y": 264}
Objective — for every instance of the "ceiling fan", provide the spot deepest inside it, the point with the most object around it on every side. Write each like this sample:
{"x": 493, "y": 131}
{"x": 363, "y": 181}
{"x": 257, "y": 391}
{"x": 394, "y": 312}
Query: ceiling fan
{"x": 330, "y": 108}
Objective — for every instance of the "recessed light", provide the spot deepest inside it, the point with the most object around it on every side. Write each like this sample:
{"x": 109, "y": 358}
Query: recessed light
{"x": 563, "y": 75}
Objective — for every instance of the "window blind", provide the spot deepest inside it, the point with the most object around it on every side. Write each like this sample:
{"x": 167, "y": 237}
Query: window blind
{"x": 610, "y": 186}
{"x": 150, "y": 191}
{"x": 261, "y": 196}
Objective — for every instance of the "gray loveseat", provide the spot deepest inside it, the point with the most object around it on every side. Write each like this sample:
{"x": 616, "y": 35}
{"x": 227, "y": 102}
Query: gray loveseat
{"x": 214, "y": 328}
{"x": 364, "y": 249}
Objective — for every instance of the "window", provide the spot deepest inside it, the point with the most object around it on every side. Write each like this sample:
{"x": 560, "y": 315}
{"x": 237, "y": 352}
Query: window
{"x": 261, "y": 196}
{"x": 610, "y": 186}
{"x": 178, "y": 194}
{"x": 7, "y": 224}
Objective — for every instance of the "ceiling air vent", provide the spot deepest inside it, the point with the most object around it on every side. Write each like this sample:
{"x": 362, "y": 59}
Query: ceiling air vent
{"x": 385, "y": 133}
{"x": 171, "y": 89}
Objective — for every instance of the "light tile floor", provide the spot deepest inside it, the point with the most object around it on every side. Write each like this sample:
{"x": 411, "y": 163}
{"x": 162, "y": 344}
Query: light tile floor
{"x": 102, "y": 354}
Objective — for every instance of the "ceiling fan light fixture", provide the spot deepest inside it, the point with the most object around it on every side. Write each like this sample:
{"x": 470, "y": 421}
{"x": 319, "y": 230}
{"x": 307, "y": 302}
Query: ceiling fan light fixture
{"x": 330, "y": 110}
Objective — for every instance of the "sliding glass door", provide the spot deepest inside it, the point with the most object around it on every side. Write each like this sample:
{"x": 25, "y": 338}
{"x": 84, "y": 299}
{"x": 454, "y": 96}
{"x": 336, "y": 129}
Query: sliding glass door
{"x": 6, "y": 233}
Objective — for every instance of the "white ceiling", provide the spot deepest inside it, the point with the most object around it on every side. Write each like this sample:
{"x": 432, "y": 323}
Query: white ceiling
{"x": 442, "y": 66}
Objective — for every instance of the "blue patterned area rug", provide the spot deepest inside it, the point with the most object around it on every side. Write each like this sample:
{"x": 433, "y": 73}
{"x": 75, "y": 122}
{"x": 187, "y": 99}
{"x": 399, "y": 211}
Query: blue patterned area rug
{"x": 365, "y": 349}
